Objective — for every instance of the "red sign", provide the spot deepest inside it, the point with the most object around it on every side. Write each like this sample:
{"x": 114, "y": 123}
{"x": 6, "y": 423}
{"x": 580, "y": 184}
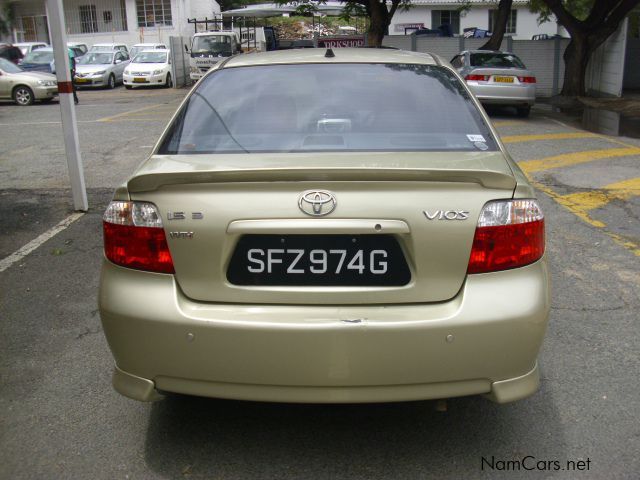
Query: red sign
{"x": 341, "y": 41}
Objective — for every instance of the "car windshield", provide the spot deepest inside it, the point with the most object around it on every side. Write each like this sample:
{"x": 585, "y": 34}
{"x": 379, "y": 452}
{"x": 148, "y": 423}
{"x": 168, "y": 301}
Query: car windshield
{"x": 151, "y": 57}
{"x": 496, "y": 60}
{"x": 214, "y": 44}
{"x": 9, "y": 67}
{"x": 39, "y": 57}
{"x": 102, "y": 48}
{"x": 299, "y": 108}
{"x": 96, "y": 58}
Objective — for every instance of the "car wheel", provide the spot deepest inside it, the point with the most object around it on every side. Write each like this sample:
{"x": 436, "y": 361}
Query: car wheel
{"x": 128, "y": 87}
{"x": 523, "y": 111}
{"x": 169, "y": 81}
{"x": 112, "y": 81}
{"x": 23, "y": 95}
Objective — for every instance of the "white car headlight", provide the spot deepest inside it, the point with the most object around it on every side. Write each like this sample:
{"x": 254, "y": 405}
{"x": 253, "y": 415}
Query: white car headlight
{"x": 127, "y": 71}
{"x": 47, "y": 83}
{"x": 101, "y": 72}
{"x": 194, "y": 69}
{"x": 158, "y": 72}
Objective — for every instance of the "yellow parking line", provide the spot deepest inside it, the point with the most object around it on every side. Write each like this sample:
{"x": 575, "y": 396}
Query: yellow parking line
{"x": 585, "y": 201}
{"x": 575, "y": 158}
{"x": 507, "y": 123}
{"x": 582, "y": 214}
{"x": 547, "y": 136}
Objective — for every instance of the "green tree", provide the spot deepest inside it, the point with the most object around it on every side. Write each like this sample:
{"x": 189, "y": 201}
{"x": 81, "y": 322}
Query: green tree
{"x": 379, "y": 13}
{"x": 6, "y": 19}
{"x": 589, "y": 23}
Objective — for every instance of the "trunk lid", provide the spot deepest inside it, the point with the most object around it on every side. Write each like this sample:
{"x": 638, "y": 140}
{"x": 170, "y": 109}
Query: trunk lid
{"x": 208, "y": 203}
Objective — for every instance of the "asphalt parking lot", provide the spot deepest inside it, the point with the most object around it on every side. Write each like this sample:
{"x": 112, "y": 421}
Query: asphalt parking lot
{"x": 60, "y": 418}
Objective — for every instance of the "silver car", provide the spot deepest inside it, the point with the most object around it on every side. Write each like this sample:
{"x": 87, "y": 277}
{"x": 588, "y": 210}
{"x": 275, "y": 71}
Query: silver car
{"x": 25, "y": 87}
{"x": 100, "y": 69}
{"x": 498, "y": 78}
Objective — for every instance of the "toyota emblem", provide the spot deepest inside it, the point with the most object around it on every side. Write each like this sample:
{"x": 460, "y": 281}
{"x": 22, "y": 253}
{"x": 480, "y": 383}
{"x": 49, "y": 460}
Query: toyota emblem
{"x": 317, "y": 203}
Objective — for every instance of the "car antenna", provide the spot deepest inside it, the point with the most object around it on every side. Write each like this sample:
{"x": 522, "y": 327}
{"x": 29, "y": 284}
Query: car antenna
{"x": 329, "y": 53}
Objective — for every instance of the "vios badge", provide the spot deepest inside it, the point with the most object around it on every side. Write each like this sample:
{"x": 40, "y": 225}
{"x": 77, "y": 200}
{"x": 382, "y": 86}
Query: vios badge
{"x": 317, "y": 203}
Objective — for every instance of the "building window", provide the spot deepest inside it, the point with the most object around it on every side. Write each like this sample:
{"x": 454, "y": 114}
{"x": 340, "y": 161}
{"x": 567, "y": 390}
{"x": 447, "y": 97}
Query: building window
{"x": 446, "y": 17}
{"x": 511, "y": 21}
{"x": 88, "y": 19}
{"x": 105, "y": 16}
{"x": 153, "y": 13}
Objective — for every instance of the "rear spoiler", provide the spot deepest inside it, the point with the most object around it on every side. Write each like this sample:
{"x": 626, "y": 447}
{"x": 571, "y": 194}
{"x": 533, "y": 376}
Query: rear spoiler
{"x": 151, "y": 181}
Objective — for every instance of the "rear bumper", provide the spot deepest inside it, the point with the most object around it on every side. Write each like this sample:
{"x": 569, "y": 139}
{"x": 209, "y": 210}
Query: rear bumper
{"x": 484, "y": 341}
{"x": 504, "y": 94}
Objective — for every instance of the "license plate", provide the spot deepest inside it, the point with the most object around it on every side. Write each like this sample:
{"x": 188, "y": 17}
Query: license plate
{"x": 82, "y": 80}
{"x": 318, "y": 260}
{"x": 139, "y": 80}
{"x": 503, "y": 79}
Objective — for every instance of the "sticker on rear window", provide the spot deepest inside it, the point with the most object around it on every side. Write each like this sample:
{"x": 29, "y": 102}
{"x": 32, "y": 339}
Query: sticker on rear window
{"x": 476, "y": 138}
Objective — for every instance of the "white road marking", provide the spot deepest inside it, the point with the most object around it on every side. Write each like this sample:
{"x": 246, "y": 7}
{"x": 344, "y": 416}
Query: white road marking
{"x": 146, "y": 146}
{"x": 558, "y": 122}
{"x": 36, "y": 242}
{"x": 41, "y": 123}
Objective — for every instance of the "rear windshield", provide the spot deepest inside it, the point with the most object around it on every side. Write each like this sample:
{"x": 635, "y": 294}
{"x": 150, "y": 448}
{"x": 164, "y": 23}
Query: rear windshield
{"x": 328, "y": 107}
{"x": 39, "y": 57}
{"x": 496, "y": 60}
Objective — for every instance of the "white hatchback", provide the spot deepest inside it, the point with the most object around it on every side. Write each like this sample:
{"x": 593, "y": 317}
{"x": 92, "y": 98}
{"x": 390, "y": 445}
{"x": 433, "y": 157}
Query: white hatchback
{"x": 150, "y": 67}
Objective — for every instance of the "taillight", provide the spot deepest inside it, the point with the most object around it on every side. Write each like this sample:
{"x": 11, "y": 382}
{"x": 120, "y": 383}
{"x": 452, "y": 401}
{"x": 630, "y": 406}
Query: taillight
{"x": 510, "y": 234}
{"x": 478, "y": 78}
{"x": 527, "y": 79}
{"x": 134, "y": 237}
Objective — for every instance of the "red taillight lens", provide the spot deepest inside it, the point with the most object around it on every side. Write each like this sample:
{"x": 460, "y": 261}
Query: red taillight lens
{"x": 527, "y": 79}
{"x": 509, "y": 234}
{"x": 134, "y": 237}
{"x": 478, "y": 78}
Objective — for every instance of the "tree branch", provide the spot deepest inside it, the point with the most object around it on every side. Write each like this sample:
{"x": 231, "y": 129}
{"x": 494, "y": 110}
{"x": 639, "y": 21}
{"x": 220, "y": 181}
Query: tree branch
{"x": 394, "y": 7}
{"x": 567, "y": 20}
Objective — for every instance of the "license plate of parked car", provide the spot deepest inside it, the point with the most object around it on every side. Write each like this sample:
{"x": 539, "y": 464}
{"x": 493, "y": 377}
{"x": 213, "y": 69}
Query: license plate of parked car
{"x": 82, "y": 80}
{"x": 344, "y": 260}
{"x": 503, "y": 79}
{"x": 140, "y": 80}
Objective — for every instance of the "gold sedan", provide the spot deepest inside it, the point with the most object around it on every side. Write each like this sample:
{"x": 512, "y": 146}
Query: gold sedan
{"x": 24, "y": 88}
{"x": 326, "y": 226}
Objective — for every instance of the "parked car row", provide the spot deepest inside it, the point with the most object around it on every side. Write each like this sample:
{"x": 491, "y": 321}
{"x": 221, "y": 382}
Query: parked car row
{"x": 29, "y": 78}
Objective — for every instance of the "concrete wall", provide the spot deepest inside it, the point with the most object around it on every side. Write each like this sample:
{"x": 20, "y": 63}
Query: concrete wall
{"x": 526, "y": 26}
{"x": 605, "y": 72}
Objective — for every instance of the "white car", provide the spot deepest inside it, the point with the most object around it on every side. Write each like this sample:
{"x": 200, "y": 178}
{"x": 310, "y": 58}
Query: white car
{"x": 139, "y": 47}
{"x": 109, "y": 47}
{"x": 27, "y": 47}
{"x": 150, "y": 67}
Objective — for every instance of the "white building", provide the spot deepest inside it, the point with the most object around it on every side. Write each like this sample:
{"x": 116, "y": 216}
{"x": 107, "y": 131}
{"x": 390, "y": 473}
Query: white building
{"x": 522, "y": 24}
{"x": 103, "y": 21}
